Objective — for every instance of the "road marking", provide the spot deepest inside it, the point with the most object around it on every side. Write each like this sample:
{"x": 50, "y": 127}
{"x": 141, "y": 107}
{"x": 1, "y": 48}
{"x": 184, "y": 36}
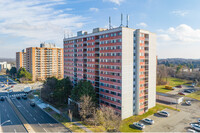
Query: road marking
{"x": 8, "y": 115}
{"x": 42, "y": 117}
{"x": 15, "y": 131}
{"x": 45, "y": 130}
{"x": 50, "y": 124}
{"x": 39, "y": 124}
{"x": 34, "y": 119}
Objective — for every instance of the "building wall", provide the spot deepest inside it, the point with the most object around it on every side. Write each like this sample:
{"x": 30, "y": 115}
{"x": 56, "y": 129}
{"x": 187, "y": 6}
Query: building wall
{"x": 126, "y": 87}
{"x": 152, "y": 71}
{"x": 127, "y": 73}
{"x": 45, "y": 62}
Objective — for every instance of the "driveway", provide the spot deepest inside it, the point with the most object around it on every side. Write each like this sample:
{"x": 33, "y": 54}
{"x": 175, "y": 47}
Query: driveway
{"x": 177, "y": 121}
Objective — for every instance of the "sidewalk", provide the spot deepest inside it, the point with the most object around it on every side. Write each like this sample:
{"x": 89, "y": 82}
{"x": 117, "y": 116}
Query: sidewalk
{"x": 43, "y": 105}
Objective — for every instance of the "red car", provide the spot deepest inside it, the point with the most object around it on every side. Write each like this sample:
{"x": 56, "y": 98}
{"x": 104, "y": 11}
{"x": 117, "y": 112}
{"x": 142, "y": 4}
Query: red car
{"x": 12, "y": 86}
{"x": 181, "y": 93}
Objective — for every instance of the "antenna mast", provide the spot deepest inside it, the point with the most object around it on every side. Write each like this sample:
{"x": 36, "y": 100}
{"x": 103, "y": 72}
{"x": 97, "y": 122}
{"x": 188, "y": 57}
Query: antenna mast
{"x": 127, "y": 20}
{"x": 110, "y": 26}
{"x": 121, "y": 20}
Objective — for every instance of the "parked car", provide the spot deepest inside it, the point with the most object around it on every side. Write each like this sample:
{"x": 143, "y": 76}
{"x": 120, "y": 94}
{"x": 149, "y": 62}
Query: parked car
{"x": 2, "y": 98}
{"x": 179, "y": 86}
{"x": 181, "y": 93}
{"x": 188, "y": 103}
{"x": 18, "y": 97}
{"x": 24, "y": 97}
{"x": 188, "y": 91}
{"x": 139, "y": 125}
{"x": 149, "y": 121}
{"x": 163, "y": 113}
{"x": 191, "y": 131}
{"x": 195, "y": 126}
{"x": 12, "y": 86}
{"x": 32, "y": 104}
{"x": 199, "y": 120}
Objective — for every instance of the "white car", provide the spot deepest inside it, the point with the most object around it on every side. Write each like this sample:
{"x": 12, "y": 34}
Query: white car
{"x": 149, "y": 121}
{"x": 191, "y": 131}
{"x": 188, "y": 103}
{"x": 195, "y": 126}
{"x": 138, "y": 125}
{"x": 163, "y": 113}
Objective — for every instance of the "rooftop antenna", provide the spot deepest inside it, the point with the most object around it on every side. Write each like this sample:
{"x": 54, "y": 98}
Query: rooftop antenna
{"x": 127, "y": 20}
{"x": 121, "y": 20}
{"x": 110, "y": 26}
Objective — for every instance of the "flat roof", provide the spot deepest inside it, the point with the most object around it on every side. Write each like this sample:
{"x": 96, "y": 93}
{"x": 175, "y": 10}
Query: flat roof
{"x": 169, "y": 95}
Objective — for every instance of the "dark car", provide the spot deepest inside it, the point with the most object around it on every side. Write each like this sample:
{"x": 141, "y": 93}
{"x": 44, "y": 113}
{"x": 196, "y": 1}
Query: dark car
{"x": 18, "y": 97}
{"x": 188, "y": 91}
{"x": 179, "y": 86}
{"x": 24, "y": 97}
{"x": 2, "y": 98}
{"x": 32, "y": 104}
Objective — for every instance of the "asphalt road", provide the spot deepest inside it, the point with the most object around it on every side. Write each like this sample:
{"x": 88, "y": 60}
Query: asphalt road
{"x": 7, "y": 113}
{"x": 37, "y": 118}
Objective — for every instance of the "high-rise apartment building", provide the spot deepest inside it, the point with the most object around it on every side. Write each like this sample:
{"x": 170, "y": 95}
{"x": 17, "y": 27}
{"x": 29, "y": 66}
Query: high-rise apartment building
{"x": 44, "y": 61}
{"x": 21, "y": 59}
{"x": 119, "y": 62}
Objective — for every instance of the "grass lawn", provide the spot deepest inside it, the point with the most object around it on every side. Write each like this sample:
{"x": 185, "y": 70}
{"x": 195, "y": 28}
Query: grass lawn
{"x": 195, "y": 95}
{"x": 171, "y": 82}
{"x": 94, "y": 128}
{"x": 65, "y": 121}
{"x": 128, "y": 121}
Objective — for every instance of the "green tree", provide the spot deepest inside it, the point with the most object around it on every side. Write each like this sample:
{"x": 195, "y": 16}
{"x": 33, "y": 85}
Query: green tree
{"x": 12, "y": 71}
{"x": 83, "y": 88}
{"x": 48, "y": 89}
{"x": 24, "y": 75}
{"x": 7, "y": 71}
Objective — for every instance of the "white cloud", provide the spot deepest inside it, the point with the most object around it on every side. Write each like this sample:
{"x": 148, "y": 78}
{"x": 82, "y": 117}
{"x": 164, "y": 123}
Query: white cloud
{"x": 94, "y": 9}
{"x": 182, "y": 34}
{"x": 118, "y": 2}
{"x": 37, "y": 20}
{"x": 142, "y": 24}
{"x": 178, "y": 42}
{"x": 180, "y": 12}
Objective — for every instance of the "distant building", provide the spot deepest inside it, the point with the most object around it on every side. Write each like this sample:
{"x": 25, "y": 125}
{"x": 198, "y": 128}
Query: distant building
{"x": 5, "y": 65}
{"x": 44, "y": 61}
{"x": 120, "y": 63}
{"x": 21, "y": 59}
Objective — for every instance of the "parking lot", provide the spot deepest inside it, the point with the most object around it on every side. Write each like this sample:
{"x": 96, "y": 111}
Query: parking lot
{"x": 184, "y": 87}
{"x": 177, "y": 121}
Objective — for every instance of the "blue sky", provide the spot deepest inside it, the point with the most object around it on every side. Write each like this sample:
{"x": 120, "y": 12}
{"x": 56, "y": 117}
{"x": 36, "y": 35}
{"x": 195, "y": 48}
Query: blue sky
{"x": 26, "y": 23}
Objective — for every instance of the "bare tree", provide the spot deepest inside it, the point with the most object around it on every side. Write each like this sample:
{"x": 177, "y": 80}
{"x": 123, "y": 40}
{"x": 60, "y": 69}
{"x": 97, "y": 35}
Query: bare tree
{"x": 108, "y": 118}
{"x": 70, "y": 114}
{"x": 162, "y": 73}
{"x": 87, "y": 108}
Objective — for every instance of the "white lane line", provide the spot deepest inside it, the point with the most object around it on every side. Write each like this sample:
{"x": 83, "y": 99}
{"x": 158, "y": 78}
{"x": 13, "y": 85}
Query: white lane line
{"x": 39, "y": 124}
{"x": 34, "y": 119}
{"x": 50, "y": 124}
{"x": 15, "y": 130}
{"x": 45, "y": 130}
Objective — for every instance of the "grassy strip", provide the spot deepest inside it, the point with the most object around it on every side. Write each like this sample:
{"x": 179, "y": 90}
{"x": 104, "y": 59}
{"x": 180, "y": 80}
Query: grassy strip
{"x": 171, "y": 82}
{"x": 65, "y": 121}
{"x": 195, "y": 95}
{"x": 93, "y": 128}
{"x": 125, "y": 126}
